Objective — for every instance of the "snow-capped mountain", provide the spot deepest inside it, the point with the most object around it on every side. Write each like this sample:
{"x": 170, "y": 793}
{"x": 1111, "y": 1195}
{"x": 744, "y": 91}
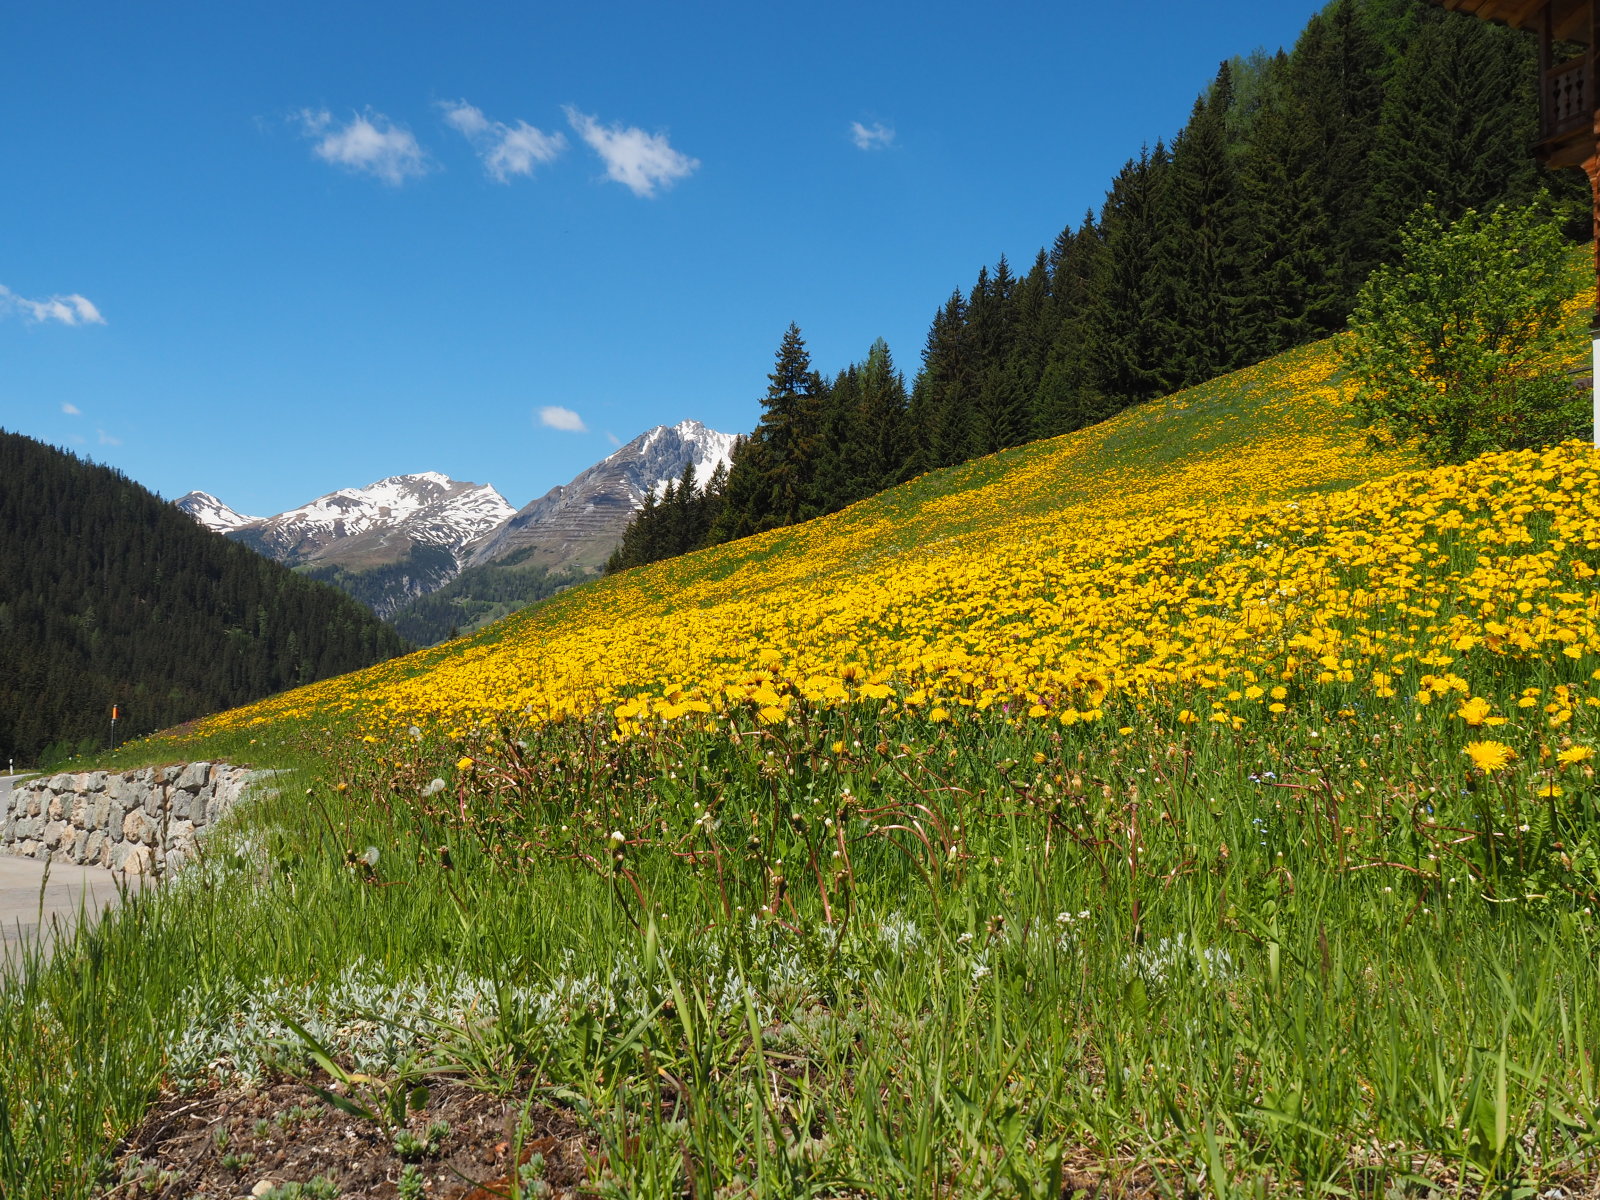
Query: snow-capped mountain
{"x": 581, "y": 522}
{"x": 385, "y": 543}
{"x": 409, "y": 535}
{"x": 212, "y": 513}
{"x": 356, "y": 524}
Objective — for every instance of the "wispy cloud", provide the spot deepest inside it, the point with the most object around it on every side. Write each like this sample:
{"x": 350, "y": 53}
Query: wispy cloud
{"x": 72, "y": 410}
{"x": 107, "y": 440}
{"x": 613, "y": 438}
{"x": 876, "y": 136}
{"x": 506, "y": 150}
{"x": 369, "y": 142}
{"x": 564, "y": 419}
{"x": 71, "y": 309}
{"x": 638, "y": 160}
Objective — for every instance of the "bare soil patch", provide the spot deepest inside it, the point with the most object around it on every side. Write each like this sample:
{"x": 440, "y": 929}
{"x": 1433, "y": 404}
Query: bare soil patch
{"x": 232, "y": 1142}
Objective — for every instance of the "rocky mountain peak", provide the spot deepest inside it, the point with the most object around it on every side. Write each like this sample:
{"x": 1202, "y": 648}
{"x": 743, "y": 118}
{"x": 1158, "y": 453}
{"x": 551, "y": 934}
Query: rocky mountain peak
{"x": 212, "y": 513}
{"x": 581, "y": 522}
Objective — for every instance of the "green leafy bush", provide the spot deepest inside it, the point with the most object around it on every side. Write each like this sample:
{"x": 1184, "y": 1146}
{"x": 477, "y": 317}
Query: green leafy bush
{"x": 1455, "y": 347}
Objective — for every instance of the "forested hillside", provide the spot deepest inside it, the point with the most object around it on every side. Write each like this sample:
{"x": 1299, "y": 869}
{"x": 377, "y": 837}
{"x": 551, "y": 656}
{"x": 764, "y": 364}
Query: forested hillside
{"x": 109, "y": 595}
{"x": 480, "y": 595}
{"x": 1247, "y": 234}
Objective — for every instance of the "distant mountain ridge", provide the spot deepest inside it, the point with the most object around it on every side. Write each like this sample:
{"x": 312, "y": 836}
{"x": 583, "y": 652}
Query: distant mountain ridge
{"x": 386, "y": 543}
{"x": 397, "y": 541}
{"x": 428, "y": 508}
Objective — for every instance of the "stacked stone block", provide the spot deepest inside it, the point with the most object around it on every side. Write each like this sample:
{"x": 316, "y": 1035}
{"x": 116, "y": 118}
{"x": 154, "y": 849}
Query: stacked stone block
{"x": 139, "y": 822}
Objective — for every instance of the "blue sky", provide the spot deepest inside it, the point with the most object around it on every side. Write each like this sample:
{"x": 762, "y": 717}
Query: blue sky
{"x": 270, "y": 250}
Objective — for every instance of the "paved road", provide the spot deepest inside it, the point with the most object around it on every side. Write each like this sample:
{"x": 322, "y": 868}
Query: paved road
{"x": 68, "y": 892}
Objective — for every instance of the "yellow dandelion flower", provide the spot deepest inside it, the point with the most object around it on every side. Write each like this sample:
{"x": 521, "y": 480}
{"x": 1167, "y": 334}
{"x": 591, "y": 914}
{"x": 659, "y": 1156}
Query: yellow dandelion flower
{"x": 1489, "y": 756}
{"x": 1576, "y": 754}
{"x": 463, "y": 763}
{"x": 1548, "y": 791}
{"x": 1473, "y": 711}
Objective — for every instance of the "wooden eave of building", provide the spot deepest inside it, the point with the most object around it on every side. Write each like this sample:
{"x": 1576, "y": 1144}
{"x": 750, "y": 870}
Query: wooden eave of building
{"x": 1567, "y": 82}
{"x": 1569, "y": 19}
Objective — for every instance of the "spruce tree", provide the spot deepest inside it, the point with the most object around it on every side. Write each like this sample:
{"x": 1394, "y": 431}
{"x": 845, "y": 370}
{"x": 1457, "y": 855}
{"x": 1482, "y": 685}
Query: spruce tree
{"x": 789, "y": 432}
{"x": 712, "y": 497}
{"x": 836, "y": 481}
{"x": 684, "y": 535}
{"x": 744, "y": 494}
{"x": 1336, "y": 73}
{"x": 941, "y": 399}
{"x": 1034, "y": 320}
{"x": 1202, "y": 267}
{"x": 1129, "y": 335}
{"x": 1068, "y": 396}
{"x": 773, "y": 480}
{"x": 1458, "y": 118}
{"x": 1287, "y": 234}
{"x": 882, "y": 448}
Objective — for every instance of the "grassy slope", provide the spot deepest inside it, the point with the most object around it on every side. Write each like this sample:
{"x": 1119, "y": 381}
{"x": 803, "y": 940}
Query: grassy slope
{"x": 838, "y": 947}
{"x": 1269, "y": 432}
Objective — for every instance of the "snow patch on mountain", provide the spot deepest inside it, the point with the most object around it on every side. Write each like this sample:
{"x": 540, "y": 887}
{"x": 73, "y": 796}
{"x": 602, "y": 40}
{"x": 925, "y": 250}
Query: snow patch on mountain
{"x": 212, "y": 513}
{"x": 382, "y": 520}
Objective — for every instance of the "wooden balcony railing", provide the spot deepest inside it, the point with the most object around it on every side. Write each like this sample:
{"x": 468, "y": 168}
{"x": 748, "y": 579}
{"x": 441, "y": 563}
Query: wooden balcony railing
{"x": 1568, "y": 99}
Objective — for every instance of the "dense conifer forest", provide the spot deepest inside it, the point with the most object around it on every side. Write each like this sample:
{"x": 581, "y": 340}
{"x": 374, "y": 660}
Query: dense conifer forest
{"x": 480, "y": 595}
{"x": 1248, "y": 234}
{"x": 109, "y": 595}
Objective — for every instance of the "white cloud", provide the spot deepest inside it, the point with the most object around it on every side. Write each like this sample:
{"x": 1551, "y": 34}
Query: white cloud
{"x": 369, "y": 142}
{"x": 564, "y": 419}
{"x": 72, "y": 410}
{"x": 876, "y": 136}
{"x": 466, "y": 119}
{"x": 613, "y": 438}
{"x": 638, "y": 160}
{"x": 71, "y": 309}
{"x": 107, "y": 440}
{"x": 506, "y": 150}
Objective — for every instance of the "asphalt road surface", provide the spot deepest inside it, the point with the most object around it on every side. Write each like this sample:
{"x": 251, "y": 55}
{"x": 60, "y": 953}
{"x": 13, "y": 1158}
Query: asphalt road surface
{"x": 69, "y": 892}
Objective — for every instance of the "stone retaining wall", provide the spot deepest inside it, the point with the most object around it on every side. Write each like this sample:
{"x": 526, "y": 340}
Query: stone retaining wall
{"x": 140, "y": 822}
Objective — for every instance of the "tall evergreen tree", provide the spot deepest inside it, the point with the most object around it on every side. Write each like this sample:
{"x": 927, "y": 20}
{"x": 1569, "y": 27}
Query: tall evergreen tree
{"x": 1286, "y": 238}
{"x": 1336, "y": 76}
{"x": 1034, "y": 321}
{"x": 1069, "y": 396}
{"x": 1129, "y": 335}
{"x": 835, "y": 470}
{"x": 882, "y": 450}
{"x": 772, "y": 481}
{"x": 745, "y": 493}
{"x": 941, "y": 399}
{"x": 1202, "y": 267}
{"x": 711, "y": 501}
{"x": 1458, "y": 118}
{"x": 684, "y": 533}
